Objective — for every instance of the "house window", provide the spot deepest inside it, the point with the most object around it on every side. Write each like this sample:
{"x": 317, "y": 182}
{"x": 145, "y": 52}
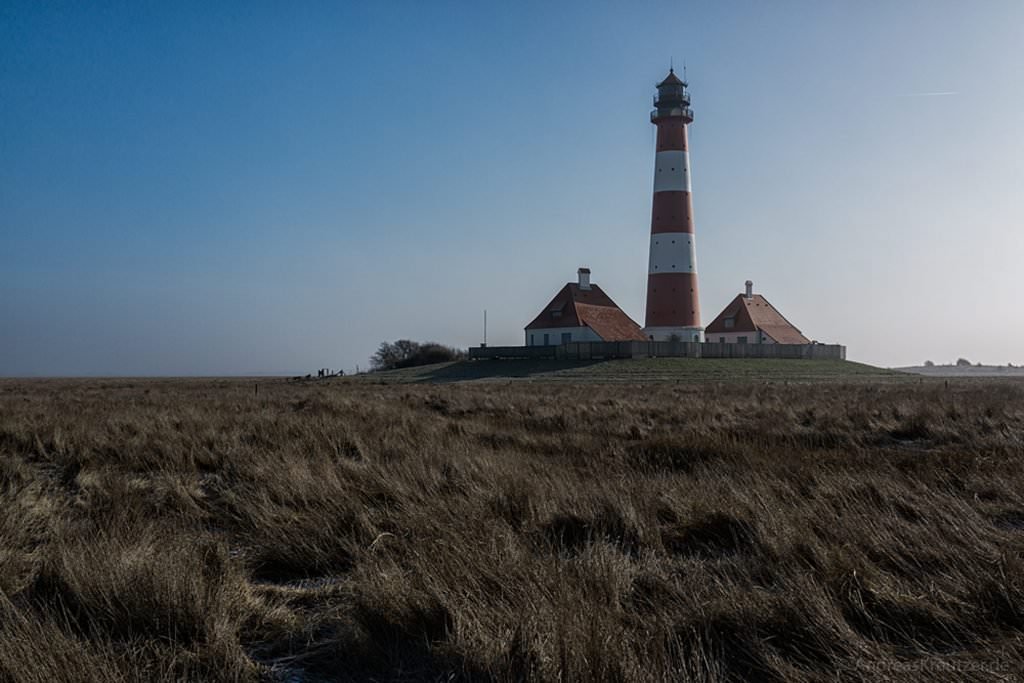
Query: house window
{"x": 729, "y": 323}
{"x": 532, "y": 340}
{"x": 721, "y": 340}
{"x": 741, "y": 340}
{"x": 566, "y": 337}
{"x": 545, "y": 339}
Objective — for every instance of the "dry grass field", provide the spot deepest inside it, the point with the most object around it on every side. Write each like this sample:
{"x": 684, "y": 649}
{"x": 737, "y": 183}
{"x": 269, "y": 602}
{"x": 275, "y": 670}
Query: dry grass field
{"x": 849, "y": 529}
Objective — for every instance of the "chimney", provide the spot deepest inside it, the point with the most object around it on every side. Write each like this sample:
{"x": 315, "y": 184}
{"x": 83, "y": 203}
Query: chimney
{"x": 750, "y": 289}
{"x": 584, "y": 275}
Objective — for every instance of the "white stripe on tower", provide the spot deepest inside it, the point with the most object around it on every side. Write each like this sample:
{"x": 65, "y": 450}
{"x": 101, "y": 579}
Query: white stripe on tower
{"x": 673, "y": 252}
{"x": 672, "y": 171}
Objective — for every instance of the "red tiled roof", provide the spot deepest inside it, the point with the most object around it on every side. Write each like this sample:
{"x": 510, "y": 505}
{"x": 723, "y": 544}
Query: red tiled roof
{"x": 610, "y": 323}
{"x": 755, "y": 314}
{"x": 575, "y": 307}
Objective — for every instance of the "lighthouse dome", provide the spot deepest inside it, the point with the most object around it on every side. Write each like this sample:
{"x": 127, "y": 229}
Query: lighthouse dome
{"x": 672, "y": 95}
{"x": 671, "y": 79}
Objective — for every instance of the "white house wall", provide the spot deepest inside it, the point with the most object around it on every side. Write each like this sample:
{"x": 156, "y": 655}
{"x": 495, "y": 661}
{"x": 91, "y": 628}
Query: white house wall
{"x": 579, "y": 334}
{"x": 734, "y": 337}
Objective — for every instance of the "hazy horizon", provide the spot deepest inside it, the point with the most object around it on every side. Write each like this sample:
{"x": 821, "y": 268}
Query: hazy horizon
{"x": 237, "y": 189}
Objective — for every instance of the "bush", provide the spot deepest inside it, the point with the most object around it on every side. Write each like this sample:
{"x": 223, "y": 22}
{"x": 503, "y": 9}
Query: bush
{"x": 406, "y": 353}
{"x": 963, "y": 362}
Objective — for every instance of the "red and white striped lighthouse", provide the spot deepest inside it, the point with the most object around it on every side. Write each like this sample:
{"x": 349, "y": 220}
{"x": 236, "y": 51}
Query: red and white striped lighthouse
{"x": 673, "y": 308}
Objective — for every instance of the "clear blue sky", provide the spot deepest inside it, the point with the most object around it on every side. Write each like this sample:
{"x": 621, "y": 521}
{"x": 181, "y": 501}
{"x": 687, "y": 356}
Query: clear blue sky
{"x": 222, "y": 188}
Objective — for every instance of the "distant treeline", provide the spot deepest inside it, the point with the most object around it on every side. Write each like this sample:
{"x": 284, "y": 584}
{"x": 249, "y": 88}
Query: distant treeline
{"x": 963, "y": 363}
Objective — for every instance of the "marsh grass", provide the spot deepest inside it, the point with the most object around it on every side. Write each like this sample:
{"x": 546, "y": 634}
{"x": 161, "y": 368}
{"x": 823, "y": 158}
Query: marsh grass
{"x": 191, "y": 530}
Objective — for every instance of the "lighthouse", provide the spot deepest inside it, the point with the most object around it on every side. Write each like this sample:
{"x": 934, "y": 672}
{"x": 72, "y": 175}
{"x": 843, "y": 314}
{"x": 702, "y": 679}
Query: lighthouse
{"x": 673, "y": 308}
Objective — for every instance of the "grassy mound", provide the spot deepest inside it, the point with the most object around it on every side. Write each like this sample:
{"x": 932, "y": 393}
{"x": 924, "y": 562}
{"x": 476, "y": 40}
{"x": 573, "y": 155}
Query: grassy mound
{"x": 640, "y": 370}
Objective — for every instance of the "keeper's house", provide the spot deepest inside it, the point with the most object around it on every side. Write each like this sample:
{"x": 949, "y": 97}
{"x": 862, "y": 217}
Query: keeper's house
{"x": 750, "y": 319}
{"x": 581, "y": 312}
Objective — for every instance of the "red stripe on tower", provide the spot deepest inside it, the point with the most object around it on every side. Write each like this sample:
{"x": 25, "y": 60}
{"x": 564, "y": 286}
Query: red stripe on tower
{"x": 673, "y": 308}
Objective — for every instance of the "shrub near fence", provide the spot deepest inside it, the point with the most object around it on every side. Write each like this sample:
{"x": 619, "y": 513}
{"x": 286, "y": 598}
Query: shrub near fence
{"x": 610, "y": 350}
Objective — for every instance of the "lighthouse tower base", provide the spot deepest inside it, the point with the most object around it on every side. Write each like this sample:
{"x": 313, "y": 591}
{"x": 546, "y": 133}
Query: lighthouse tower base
{"x": 686, "y": 334}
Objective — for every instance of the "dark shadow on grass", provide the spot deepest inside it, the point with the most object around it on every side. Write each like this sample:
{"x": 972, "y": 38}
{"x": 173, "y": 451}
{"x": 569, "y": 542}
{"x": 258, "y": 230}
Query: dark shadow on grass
{"x": 570, "y": 534}
{"x": 411, "y": 644}
{"x": 716, "y": 535}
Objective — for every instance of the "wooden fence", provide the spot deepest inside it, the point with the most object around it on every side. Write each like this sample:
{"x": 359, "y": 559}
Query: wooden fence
{"x": 639, "y": 349}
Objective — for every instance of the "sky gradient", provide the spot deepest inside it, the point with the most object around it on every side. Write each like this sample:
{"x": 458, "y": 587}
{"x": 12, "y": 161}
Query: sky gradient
{"x": 241, "y": 188}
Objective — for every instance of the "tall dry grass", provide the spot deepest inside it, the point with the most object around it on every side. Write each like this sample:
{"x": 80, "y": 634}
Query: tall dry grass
{"x": 192, "y": 530}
